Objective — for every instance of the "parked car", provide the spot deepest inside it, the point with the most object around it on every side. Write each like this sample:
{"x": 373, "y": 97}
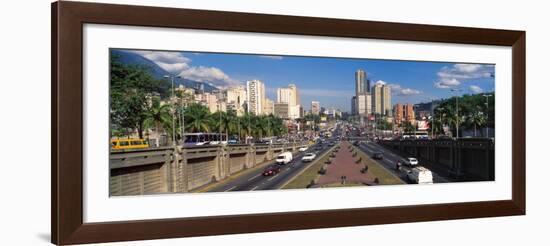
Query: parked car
{"x": 356, "y": 143}
{"x": 378, "y": 156}
{"x": 271, "y": 170}
{"x": 411, "y": 161}
{"x": 302, "y": 149}
{"x": 331, "y": 144}
{"x": 420, "y": 175}
{"x": 308, "y": 157}
{"x": 284, "y": 158}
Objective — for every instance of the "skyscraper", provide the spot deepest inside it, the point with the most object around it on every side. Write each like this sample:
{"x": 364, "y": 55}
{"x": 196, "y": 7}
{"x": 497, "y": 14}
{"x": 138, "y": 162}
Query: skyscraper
{"x": 381, "y": 99}
{"x": 255, "y": 96}
{"x": 361, "y": 86}
{"x": 362, "y": 97}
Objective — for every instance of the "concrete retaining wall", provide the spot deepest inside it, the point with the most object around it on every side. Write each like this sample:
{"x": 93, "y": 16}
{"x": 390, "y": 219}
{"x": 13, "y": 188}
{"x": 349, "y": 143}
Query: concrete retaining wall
{"x": 162, "y": 170}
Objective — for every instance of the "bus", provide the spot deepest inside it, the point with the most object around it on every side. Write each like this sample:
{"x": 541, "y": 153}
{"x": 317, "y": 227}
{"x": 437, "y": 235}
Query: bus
{"x": 130, "y": 143}
{"x": 416, "y": 135}
{"x": 202, "y": 138}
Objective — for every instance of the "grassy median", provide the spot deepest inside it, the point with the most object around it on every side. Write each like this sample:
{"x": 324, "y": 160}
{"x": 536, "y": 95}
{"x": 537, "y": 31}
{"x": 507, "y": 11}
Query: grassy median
{"x": 385, "y": 177}
{"x": 310, "y": 173}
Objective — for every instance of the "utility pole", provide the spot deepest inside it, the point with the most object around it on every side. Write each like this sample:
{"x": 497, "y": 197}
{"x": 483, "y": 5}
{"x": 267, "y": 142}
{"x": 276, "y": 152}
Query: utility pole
{"x": 173, "y": 110}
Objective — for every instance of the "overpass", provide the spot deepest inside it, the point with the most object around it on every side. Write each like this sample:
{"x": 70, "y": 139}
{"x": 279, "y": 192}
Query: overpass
{"x": 181, "y": 169}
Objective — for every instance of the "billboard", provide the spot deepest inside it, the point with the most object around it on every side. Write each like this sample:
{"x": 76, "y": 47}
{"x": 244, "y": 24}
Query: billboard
{"x": 422, "y": 125}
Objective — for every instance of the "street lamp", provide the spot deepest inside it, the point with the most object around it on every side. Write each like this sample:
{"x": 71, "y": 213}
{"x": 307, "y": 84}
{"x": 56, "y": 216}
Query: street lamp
{"x": 440, "y": 117}
{"x": 487, "y": 105}
{"x": 172, "y": 77}
{"x": 219, "y": 97}
{"x": 457, "y": 119}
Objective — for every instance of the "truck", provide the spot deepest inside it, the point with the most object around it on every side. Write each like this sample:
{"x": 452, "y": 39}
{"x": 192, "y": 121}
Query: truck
{"x": 284, "y": 158}
{"x": 420, "y": 175}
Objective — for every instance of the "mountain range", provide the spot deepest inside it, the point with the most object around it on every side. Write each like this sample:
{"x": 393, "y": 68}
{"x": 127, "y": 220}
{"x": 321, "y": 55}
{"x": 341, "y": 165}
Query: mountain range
{"x": 158, "y": 72}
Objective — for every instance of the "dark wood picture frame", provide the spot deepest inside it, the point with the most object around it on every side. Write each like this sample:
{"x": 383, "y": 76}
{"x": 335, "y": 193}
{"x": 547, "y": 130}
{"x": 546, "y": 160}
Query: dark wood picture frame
{"x": 67, "y": 124}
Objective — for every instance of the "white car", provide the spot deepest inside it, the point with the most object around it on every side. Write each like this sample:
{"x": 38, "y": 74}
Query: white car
{"x": 284, "y": 158}
{"x": 420, "y": 175}
{"x": 411, "y": 161}
{"x": 308, "y": 157}
{"x": 302, "y": 149}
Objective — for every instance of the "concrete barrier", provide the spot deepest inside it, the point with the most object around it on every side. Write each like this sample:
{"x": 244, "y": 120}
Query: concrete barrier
{"x": 469, "y": 159}
{"x": 179, "y": 169}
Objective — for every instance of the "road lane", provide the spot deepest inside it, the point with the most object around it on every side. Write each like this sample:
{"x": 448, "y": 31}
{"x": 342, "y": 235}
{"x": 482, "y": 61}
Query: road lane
{"x": 390, "y": 160}
{"x": 256, "y": 181}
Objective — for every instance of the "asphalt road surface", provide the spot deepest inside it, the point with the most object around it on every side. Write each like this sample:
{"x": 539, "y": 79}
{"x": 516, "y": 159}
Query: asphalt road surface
{"x": 390, "y": 159}
{"x": 256, "y": 181}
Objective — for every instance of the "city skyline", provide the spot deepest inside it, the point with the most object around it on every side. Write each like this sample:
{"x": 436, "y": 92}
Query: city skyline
{"x": 331, "y": 81}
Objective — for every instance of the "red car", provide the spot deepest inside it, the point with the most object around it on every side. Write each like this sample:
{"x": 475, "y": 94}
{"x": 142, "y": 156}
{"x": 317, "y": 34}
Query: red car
{"x": 271, "y": 170}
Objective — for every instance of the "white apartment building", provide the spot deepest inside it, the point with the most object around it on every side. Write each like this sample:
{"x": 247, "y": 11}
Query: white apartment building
{"x": 255, "y": 96}
{"x": 236, "y": 99}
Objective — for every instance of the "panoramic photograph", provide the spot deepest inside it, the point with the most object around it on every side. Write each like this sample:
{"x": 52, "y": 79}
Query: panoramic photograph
{"x": 194, "y": 122}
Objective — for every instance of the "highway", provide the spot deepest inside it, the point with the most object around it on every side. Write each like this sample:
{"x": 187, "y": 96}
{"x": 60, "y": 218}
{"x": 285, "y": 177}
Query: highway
{"x": 390, "y": 159}
{"x": 254, "y": 180}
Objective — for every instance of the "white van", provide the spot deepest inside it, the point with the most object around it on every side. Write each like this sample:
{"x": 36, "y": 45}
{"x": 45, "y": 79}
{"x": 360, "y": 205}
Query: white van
{"x": 420, "y": 175}
{"x": 284, "y": 158}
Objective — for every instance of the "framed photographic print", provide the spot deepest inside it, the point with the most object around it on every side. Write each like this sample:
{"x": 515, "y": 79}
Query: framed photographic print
{"x": 174, "y": 122}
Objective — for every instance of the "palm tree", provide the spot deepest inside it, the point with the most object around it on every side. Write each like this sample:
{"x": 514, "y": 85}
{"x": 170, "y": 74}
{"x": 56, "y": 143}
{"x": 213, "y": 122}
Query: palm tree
{"x": 158, "y": 116}
{"x": 408, "y": 127}
{"x": 198, "y": 118}
{"x": 476, "y": 119}
{"x": 261, "y": 124}
{"x": 227, "y": 121}
{"x": 246, "y": 122}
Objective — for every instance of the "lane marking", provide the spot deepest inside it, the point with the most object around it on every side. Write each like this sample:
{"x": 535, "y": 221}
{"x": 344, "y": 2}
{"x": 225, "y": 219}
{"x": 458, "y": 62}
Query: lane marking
{"x": 254, "y": 177}
{"x": 231, "y": 188}
{"x": 269, "y": 179}
{"x": 255, "y": 187}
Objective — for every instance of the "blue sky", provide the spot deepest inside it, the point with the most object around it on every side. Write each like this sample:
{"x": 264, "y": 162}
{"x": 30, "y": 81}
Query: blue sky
{"x": 328, "y": 80}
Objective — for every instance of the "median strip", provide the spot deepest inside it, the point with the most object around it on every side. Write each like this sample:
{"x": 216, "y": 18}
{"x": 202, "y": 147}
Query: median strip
{"x": 304, "y": 177}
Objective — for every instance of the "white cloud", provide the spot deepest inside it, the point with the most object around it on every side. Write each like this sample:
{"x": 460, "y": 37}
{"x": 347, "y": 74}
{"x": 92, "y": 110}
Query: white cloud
{"x": 475, "y": 89}
{"x": 445, "y": 83}
{"x": 272, "y": 57}
{"x": 177, "y": 63}
{"x": 211, "y": 75}
{"x": 398, "y": 90}
{"x": 453, "y": 76}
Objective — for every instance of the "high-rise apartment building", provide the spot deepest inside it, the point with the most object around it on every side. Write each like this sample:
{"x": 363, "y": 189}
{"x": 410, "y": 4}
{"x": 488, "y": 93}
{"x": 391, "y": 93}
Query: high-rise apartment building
{"x": 255, "y": 96}
{"x": 236, "y": 99}
{"x": 315, "y": 107}
{"x": 291, "y": 97}
{"x": 403, "y": 113}
{"x": 364, "y": 107}
{"x": 268, "y": 107}
{"x": 381, "y": 99}
{"x": 354, "y": 105}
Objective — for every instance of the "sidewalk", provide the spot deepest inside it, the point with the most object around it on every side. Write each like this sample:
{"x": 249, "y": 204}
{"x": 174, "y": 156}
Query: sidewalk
{"x": 343, "y": 164}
